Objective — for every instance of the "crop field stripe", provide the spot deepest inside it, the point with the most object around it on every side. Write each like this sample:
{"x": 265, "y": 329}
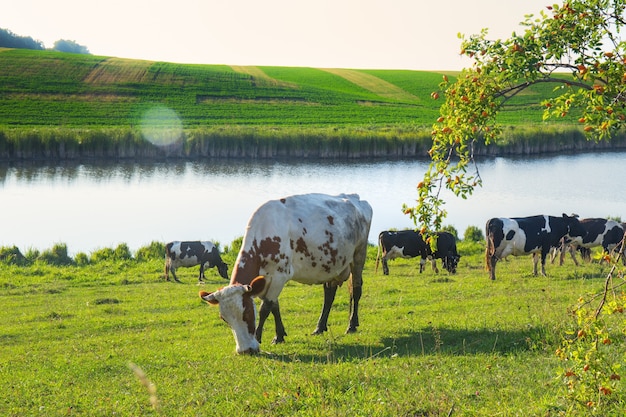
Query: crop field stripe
{"x": 373, "y": 84}
{"x": 260, "y": 76}
{"x": 119, "y": 70}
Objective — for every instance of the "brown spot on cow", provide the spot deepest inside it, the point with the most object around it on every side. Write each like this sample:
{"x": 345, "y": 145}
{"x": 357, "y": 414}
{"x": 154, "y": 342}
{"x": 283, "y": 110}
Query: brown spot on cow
{"x": 268, "y": 247}
{"x": 331, "y": 220}
{"x": 283, "y": 200}
{"x": 301, "y": 247}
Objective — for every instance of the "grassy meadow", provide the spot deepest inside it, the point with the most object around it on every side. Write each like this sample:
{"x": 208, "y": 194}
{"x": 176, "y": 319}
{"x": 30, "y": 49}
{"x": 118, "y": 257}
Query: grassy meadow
{"x": 113, "y": 338}
{"x": 57, "y": 105}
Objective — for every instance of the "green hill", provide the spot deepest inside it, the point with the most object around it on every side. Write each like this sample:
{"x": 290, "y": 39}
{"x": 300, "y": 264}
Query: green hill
{"x": 43, "y": 88}
{"x": 57, "y": 105}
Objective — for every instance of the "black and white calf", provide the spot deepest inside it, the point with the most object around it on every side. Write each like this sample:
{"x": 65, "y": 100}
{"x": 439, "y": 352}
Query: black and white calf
{"x": 599, "y": 232}
{"x": 193, "y": 253}
{"x": 410, "y": 244}
{"x": 527, "y": 235}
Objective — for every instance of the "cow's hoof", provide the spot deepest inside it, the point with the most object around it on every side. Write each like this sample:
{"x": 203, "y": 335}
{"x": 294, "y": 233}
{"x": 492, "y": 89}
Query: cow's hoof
{"x": 351, "y": 330}
{"x": 318, "y": 331}
{"x": 278, "y": 340}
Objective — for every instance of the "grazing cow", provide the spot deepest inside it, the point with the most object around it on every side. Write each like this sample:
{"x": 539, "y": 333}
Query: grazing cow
{"x": 409, "y": 244}
{"x": 191, "y": 254}
{"x": 527, "y": 235}
{"x": 599, "y": 232}
{"x": 311, "y": 239}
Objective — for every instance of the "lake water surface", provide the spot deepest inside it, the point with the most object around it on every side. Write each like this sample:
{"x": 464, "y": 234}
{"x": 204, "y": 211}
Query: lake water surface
{"x": 93, "y": 205}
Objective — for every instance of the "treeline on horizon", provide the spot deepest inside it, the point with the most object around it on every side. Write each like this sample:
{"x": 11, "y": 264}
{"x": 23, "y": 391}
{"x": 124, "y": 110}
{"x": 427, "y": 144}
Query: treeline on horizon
{"x": 8, "y": 39}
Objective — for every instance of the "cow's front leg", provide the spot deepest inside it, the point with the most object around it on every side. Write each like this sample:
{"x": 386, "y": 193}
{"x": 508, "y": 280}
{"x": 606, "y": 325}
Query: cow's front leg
{"x": 278, "y": 322}
{"x": 329, "y": 297}
{"x": 268, "y": 307}
{"x": 434, "y": 265}
{"x": 264, "y": 311}
{"x": 201, "y": 276}
{"x": 422, "y": 264}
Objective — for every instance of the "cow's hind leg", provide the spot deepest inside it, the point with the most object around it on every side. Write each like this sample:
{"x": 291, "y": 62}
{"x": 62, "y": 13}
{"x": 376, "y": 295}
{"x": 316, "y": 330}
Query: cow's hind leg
{"x": 385, "y": 266}
{"x": 355, "y": 296}
{"x": 536, "y": 257}
{"x": 329, "y": 297}
{"x": 544, "y": 254}
{"x": 535, "y": 262}
{"x": 491, "y": 266}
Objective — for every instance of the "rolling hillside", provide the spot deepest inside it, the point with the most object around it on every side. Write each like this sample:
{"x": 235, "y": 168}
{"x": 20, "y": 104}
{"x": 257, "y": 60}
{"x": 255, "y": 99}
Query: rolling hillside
{"x": 43, "y": 88}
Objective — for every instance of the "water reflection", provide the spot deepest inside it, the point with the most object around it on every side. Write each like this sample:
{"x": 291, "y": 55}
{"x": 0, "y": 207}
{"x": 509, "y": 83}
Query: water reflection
{"x": 100, "y": 204}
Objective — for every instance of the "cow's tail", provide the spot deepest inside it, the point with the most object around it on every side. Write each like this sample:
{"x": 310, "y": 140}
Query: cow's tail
{"x": 490, "y": 249}
{"x": 380, "y": 245}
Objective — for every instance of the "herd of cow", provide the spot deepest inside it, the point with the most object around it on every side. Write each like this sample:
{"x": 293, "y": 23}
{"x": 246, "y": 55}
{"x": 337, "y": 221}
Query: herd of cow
{"x": 322, "y": 239}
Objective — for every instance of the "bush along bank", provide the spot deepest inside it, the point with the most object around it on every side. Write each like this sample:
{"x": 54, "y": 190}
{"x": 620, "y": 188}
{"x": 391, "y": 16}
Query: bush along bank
{"x": 18, "y": 144}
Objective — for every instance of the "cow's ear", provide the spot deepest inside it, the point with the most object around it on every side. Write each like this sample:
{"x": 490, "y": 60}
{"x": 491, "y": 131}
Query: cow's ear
{"x": 208, "y": 297}
{"x": 257, "y": 285}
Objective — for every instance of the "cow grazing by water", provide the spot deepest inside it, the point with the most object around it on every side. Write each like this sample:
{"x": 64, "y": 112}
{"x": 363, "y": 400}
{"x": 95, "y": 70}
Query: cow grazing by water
{"x": 599, "y": 232}
{"x": 311, "y": 239}
{"x": 410, "y": 244}
{"x": 534, "y": 235}
{"x": 193, "y": 253}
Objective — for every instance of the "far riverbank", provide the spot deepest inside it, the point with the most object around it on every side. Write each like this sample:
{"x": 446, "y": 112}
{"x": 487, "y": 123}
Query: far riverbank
{"x": 19, "y": 144}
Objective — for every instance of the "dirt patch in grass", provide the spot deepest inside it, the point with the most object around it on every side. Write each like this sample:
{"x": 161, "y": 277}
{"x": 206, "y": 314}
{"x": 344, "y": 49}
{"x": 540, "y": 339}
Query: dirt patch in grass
{"x": 374, "y": 84}
{"x": 261, "y": 78}
{"x": 118, "y": 70}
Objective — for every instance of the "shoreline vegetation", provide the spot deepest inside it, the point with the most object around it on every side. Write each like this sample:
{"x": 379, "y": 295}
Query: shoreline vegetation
{"x": 60, "y": 144}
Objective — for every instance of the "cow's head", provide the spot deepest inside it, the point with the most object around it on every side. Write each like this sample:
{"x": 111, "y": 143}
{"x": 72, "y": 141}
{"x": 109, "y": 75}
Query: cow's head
{"x": 222, "y": 268}
{"x": 574, "y": 228}
{"x": 450, "y": 262}
{"x": 238, "y": 310}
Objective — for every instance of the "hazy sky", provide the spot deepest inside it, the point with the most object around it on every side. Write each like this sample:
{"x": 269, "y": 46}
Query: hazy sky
{"x": 388, "y": 34}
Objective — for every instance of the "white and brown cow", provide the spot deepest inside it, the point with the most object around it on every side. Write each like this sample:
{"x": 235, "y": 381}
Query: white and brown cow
{"x": 311, "y": 239}
{"x": 599, "y": 232}
{"x": 193, "y": 253}
{"x": 534, "y": 235}
{"x": 409, "y": 244}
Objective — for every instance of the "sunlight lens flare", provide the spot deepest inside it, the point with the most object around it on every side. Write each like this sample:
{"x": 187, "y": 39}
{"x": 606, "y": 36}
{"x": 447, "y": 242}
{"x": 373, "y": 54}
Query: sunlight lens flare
{"x": 161, "y": 126}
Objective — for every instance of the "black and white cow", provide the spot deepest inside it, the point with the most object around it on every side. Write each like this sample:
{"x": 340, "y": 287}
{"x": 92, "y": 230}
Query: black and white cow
{"x": 410, "y": 244}
{"x": 193, "y": 253}
{"x": 527, "y": 235}
{"x": 599, "y": 232}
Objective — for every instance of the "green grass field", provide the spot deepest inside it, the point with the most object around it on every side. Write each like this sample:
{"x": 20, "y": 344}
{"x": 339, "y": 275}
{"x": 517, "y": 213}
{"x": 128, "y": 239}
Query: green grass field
{"x": 43, "y": 88}
{"x": 113, "y": 338}
{"x": 58, "y": 106}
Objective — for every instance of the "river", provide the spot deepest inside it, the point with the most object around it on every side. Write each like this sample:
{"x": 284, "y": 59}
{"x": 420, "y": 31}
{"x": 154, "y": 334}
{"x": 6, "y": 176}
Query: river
{"x": 90, "y": 205}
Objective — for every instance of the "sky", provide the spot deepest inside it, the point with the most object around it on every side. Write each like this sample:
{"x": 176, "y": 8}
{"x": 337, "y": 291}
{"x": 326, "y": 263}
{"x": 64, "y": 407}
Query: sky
{"x": 355, "y": 34}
